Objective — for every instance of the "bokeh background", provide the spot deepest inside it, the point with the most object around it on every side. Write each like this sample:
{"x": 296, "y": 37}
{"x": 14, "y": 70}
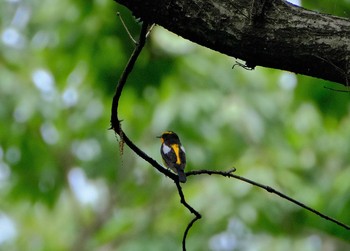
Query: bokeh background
{"x": 65, "y": 184}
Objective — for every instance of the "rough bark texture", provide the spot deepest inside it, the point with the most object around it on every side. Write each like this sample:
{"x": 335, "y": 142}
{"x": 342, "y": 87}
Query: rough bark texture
{"x": 269, "y": 33}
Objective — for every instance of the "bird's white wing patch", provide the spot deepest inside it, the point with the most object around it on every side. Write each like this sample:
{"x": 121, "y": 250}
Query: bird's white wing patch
{"x": 166, "y": 149}
{"x": 183, "y": 149}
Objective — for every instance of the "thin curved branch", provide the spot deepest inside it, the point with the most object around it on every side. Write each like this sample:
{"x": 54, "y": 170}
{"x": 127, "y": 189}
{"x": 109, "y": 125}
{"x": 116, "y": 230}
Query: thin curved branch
{"x": 116, "y": 122}
{"x": 116, "y": 126}
{"x": 197, "y": 215}
{"x": 270, "y": 190}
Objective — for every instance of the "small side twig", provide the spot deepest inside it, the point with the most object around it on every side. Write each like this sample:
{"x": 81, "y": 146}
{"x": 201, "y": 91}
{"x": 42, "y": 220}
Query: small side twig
{"x": 149, "y": 30}
{"x": 245, "y": 66}
{"x": 336, "y": 90}
{"x": 126, "y": 28}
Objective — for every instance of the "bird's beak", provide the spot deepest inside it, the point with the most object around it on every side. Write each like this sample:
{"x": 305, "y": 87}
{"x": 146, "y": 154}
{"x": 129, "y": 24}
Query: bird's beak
{"x": 158, "y": 137}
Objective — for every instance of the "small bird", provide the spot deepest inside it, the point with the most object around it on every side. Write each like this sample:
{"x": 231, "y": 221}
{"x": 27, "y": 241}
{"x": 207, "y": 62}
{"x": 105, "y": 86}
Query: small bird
{"x": 173, "y": 154}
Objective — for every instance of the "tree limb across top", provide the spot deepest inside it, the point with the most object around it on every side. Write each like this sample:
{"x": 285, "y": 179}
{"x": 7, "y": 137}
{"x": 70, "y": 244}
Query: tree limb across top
{"x": 269, "y": 33}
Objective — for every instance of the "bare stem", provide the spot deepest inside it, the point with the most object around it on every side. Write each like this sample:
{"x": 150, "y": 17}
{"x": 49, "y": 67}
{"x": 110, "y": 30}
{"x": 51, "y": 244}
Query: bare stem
{"x": 270, "y": 190}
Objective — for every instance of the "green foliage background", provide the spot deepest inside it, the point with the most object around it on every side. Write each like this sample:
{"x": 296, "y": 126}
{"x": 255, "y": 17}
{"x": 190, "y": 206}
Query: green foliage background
{"x": 65, "y": 186}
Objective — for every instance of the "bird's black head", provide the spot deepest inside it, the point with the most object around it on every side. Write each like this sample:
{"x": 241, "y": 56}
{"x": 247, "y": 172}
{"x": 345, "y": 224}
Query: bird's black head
{"x": 169, "y": 137}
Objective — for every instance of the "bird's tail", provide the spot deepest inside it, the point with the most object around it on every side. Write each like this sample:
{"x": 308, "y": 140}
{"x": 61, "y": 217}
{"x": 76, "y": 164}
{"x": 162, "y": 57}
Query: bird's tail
{"x": 182, "y": 175}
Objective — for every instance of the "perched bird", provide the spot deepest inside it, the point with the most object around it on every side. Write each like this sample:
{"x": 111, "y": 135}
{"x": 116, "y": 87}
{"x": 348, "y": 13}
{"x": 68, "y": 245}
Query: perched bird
{"x": 173, "y": 154}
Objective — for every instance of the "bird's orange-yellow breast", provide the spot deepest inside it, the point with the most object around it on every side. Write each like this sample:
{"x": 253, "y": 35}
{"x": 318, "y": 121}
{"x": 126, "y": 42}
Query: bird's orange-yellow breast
{"x": 177, "y": 153}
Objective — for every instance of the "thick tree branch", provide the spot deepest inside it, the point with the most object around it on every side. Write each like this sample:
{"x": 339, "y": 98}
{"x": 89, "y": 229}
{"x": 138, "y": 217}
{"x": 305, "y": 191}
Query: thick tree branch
{"x": 269, "y": 33}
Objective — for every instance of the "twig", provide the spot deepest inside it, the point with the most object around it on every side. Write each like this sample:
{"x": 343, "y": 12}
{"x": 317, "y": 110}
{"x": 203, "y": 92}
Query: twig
{"x": 197, "y": 215}
{"x": 270, "y": 190}
{"x": 116, "y": 123}
{"x": 210, "y": 172}
{"x": 126, "y": 28}
{"x": 336, "y": 90}
{"x": 245, "y": 66}
{"x": 116, "y": 126}
{"x": 149, "y": 30}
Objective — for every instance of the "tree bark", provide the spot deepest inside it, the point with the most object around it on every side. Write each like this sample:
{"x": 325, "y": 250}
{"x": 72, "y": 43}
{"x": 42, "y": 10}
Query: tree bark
{"x": 269, "y": 33}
